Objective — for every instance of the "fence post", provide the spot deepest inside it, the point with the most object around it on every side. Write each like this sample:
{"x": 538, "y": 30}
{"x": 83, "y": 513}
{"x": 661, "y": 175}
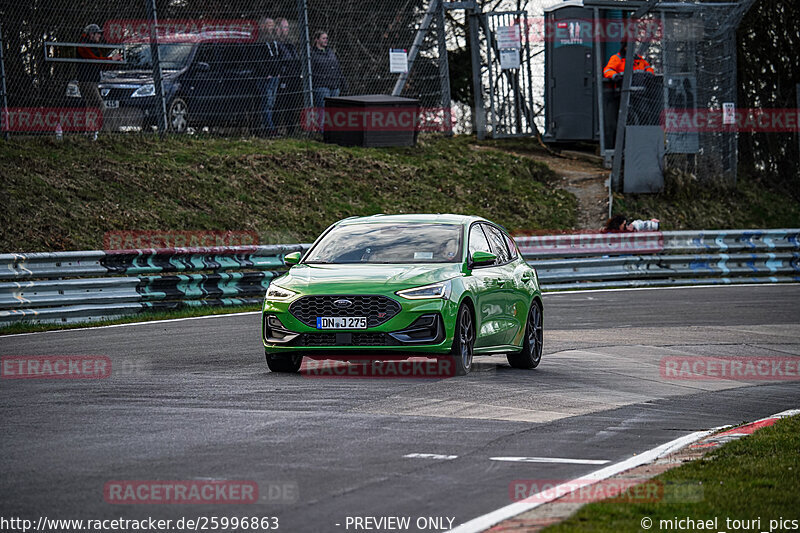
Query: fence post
{"x": 444, "y": 71}
{"x": 305, "y": 52}
{"x": 479, "y": 113}
{"x": 3, "y": 85}
{"x": 155, "y": 54}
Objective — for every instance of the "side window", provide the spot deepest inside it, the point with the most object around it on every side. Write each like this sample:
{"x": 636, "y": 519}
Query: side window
{"x": 477, "y": 240}
{"x": 498, "y": 243}
{"x": 232, "y": 57}
{"x": 512, "y": 246}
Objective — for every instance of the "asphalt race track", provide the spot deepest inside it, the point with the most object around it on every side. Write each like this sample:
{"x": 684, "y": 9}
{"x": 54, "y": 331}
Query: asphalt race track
{"x": 193, "y": 400}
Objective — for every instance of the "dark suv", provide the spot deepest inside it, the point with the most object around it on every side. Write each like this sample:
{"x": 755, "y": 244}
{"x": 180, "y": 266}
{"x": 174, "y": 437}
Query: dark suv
{"x": 210, "y": 79}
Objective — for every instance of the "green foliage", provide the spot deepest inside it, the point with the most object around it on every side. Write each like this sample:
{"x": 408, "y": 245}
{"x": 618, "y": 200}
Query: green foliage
{"x": 768, "y": 75}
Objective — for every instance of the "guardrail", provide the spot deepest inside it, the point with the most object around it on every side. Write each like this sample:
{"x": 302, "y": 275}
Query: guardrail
{"x": 604, "y": 260}
{"x": 65, "y": 287}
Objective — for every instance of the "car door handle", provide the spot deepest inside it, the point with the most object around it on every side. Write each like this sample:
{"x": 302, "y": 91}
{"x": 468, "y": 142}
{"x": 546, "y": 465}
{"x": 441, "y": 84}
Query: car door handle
{"x": 526, "y": 278}
{"x": 500, "y": 281}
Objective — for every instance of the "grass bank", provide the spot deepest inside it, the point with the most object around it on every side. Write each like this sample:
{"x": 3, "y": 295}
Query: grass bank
{"x": 65, "y": 195}
{"x": 688, "y": 204}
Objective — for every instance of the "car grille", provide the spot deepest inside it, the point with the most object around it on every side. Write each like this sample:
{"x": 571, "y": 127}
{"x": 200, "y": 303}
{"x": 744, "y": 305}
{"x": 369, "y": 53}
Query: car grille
{"x": 378, "y": 309}
{"x": 116, "y": 93}
{"x": 346, "y": 339}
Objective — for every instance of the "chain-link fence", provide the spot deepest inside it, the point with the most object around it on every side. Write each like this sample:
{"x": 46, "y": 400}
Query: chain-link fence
{"x": 265, "y": 67}
{"x": 683, "y": 90}
{"x": 249, "y": 66}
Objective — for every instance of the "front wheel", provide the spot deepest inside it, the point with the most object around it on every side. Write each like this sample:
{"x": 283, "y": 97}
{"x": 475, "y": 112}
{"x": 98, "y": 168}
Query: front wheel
{"x": 531, "y": 353}
{"x": 463, "y": 341}
{"x": 287, "y": 363}
{"x": 178, "y": 116}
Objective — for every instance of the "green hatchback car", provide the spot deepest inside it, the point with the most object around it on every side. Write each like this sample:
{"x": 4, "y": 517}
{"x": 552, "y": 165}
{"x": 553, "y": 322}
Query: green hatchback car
{"x": 400, "y": 286}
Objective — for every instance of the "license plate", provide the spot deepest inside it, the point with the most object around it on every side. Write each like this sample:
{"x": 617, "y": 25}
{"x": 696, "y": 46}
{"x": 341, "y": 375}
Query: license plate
{"x": 111, "y": 104}
{"x": 341, "y": 322}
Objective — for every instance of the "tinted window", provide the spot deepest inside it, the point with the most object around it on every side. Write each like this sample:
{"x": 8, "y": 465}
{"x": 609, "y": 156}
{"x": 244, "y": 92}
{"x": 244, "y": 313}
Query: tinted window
{"x": 173, "y": 56}
{"x": 389, "y": 243}
{"x": 477, "y": 240}
{"x": 498, "y": 243}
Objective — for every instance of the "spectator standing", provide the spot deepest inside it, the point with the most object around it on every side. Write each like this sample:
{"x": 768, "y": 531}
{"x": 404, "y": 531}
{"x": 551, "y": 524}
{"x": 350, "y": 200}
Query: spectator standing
{"x": 290, "y": 90}
{"x": 88, "y": 74}
{"x": 268, "y": 73}
{"x": 326, "y": 74}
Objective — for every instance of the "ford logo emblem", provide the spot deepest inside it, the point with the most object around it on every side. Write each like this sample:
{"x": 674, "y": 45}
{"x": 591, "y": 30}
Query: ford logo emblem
{"x": 341, "y": 304}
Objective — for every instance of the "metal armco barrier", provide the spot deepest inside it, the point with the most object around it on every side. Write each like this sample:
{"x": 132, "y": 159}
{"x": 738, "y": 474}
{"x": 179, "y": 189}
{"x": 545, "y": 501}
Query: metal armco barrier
{"x": 66, "y": 287}
{"x": 605, "y": 260}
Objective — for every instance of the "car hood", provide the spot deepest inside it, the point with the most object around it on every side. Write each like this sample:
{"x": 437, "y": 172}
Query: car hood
{"x": 364, "y": 279}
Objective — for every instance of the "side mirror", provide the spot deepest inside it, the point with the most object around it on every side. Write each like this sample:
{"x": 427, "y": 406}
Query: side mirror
{"x": 483, "y": 258}
{"x": 291, "y": 259}
{"x": 201, "y": 66}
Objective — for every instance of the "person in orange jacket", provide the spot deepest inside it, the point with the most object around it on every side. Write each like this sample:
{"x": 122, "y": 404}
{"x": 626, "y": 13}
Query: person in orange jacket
{"x": 616, "y": 65}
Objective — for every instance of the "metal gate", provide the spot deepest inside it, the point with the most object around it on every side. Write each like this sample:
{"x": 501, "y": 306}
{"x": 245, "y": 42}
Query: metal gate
{"x": 511, "y": 110}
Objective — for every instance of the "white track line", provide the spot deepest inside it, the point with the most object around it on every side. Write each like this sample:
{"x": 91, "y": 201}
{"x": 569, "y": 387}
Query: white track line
{"x": 559, "y": 460}
{"x": 486, "y": 521}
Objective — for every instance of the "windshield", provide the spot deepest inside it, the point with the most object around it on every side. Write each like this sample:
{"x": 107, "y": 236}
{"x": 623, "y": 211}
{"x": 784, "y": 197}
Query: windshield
{"x": 388, "y": 244}
{"x": 173, "y": 56}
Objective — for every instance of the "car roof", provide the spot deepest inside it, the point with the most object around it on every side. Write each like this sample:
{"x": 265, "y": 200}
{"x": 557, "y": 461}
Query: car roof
{"x": 413, "y": 219}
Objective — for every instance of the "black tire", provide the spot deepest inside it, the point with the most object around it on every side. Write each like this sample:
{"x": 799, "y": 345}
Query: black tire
{"x": 287, "y": 363}
{"x": 178, "y": 116}
{"x": 531, "y": 354}
{"x": 463, "y": 341}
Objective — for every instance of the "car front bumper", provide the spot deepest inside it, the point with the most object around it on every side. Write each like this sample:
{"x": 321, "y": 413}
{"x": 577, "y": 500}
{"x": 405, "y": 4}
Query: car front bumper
{"x": 421, "y": 326}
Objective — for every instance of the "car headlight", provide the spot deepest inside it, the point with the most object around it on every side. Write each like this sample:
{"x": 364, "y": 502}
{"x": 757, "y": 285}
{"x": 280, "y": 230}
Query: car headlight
{"x": 73, "y": 91}
{"x": 144, "y": 90}
{"x": 433, "y": 291}
{"x": 279, "y": 293}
